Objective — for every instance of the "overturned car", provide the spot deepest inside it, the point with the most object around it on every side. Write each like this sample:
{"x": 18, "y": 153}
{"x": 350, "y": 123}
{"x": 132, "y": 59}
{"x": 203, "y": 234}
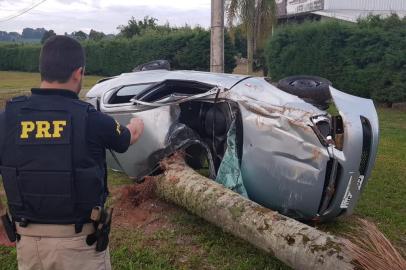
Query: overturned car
{"x": 278, "y": 145}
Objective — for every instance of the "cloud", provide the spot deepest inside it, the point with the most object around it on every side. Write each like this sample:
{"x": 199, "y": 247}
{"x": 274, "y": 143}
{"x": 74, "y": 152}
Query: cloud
{"x": 102, "y": 15}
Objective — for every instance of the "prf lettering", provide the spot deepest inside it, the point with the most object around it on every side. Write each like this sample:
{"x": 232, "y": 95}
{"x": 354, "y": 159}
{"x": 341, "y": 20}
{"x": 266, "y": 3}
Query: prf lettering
{"x": 42, "y": 129}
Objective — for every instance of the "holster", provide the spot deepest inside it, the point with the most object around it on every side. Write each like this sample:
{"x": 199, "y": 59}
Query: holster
{"x": 102, "y": 222}
{"x": 9, "y": 227}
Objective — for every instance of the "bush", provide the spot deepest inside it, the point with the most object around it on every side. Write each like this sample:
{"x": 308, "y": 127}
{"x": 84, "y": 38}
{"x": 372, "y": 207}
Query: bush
{"x": 185, "y": 49}
{"x": 367, "y": 59}
{"x": 19, "y": 57}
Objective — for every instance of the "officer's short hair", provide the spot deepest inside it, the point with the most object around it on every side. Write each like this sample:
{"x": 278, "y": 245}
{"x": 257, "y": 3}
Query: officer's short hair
{"x": 59, "y": 57}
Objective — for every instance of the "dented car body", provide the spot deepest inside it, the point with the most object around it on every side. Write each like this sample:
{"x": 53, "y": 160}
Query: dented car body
{"x": 272, "y": 146}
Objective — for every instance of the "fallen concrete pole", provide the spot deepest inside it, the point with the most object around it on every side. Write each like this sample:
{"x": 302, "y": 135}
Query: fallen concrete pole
{"x": 296, "y": 244}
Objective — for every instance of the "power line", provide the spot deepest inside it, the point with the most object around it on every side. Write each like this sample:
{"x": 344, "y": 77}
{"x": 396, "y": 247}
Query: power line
{"x": 22, "y": 12}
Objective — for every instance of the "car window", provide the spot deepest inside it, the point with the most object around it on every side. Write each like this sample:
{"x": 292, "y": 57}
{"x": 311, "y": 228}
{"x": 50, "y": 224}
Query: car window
{"x": 126, "y": 93}
{"x": 131, "y": 90}
{"x": 171, "y": 87}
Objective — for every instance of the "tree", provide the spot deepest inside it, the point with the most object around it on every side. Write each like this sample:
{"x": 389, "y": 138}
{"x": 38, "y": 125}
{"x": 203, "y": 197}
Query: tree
{"x": 239, "y": 39}
{"x": 12, "y": 36}
{"x": 136, "y": 28}
{"x": 257, "y": 18}
{"x": 79, "y": 35}
{"x": 30, "y": 33}
{"x": 94, "y": 35}
{"x": 296, "y": 244}
{"x": 47, "y": 35}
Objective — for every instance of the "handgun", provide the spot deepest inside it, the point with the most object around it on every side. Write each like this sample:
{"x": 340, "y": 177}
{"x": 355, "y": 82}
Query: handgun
{"x": 102, "y": 218}
{"x": 8, "y": 225}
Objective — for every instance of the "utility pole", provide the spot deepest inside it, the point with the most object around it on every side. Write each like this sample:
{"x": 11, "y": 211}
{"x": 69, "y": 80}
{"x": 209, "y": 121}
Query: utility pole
{"x": 217, "y": 36}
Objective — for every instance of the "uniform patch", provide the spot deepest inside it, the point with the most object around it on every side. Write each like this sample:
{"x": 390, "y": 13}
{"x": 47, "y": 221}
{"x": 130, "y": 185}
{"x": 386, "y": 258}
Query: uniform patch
{"x": 44, "y": 128}
{"x": 118, "y": 127}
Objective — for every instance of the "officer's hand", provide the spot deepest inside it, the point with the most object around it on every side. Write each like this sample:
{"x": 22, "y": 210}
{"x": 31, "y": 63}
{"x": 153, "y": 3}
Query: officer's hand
{"x": 136, "y": 127}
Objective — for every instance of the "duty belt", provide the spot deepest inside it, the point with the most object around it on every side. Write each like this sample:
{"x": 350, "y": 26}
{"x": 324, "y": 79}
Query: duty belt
{"x": 52, "y": 230}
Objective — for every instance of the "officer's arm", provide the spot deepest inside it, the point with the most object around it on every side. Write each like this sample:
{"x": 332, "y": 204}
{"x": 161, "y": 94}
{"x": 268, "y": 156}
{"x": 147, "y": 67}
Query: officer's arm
{"x": 109, "y": 132}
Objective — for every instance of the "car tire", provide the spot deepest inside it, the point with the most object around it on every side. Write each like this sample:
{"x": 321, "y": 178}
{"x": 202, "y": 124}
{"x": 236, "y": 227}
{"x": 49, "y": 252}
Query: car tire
{"x": 312, "y": 89}
{"x": 153, "y": 65}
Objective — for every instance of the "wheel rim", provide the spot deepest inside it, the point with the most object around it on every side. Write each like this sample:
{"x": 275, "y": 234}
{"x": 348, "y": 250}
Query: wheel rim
{"x": 305, "y": 83}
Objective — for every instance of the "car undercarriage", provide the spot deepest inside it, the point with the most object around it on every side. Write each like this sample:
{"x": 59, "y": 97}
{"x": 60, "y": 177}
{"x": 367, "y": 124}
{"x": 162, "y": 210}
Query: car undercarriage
{"x": 279, "y": 147}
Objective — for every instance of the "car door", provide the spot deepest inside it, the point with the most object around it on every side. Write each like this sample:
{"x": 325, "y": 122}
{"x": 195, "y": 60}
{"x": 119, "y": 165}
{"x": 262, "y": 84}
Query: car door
{"x": 159, "y": 116}
{"x": 157, "y": 122}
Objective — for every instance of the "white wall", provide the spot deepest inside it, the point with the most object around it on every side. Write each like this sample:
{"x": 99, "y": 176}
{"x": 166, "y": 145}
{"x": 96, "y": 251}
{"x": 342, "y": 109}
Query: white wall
{"x": 300, "y": 6}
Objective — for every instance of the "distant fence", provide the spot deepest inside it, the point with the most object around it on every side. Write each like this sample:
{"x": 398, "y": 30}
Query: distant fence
{"x": 188, "y": 49}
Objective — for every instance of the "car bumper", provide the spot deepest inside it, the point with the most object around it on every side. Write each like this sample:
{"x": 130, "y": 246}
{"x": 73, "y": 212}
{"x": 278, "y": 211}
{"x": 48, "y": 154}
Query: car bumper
{"x": 357, "y": 158}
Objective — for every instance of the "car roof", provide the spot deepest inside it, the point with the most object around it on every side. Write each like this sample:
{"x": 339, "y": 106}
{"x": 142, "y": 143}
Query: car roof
{"x": 218, "y": 79}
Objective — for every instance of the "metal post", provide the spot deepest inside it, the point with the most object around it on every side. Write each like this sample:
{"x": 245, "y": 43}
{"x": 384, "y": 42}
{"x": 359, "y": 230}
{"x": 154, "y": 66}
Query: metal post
{"x": 217, "y": 36}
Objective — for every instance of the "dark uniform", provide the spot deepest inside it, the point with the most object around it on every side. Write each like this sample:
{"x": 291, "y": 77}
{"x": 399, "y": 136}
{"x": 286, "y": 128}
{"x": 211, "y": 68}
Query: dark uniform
{"x": 52, "y": 159}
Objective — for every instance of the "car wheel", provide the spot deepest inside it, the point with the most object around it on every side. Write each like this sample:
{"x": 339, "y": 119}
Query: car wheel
{"x": 312, "y": 89}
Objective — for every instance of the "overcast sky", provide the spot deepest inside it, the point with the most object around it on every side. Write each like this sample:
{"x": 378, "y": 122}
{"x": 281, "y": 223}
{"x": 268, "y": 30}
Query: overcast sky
{"x": 102, "y": 15}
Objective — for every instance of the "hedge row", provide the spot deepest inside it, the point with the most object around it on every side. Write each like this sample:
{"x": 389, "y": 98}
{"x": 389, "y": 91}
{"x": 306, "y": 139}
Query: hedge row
{"x": 367, "y": 59}
{"x": 188, "y": 49}
{"x": 19, "y": 57}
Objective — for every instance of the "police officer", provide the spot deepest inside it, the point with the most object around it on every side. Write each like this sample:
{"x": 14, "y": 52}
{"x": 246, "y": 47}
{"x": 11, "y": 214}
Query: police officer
{"x": 52, "y": 159}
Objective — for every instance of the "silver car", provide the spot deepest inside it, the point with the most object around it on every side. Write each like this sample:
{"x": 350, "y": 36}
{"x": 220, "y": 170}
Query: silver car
{"x": 279, "y": 145}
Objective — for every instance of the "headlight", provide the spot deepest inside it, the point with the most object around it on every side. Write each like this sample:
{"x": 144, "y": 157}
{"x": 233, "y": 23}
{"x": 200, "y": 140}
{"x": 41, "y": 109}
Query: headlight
{"x": 322, "y": 128}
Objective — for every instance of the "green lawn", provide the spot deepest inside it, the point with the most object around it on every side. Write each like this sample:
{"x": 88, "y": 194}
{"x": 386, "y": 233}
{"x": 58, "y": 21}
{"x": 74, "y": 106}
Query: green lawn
{"x": 17, "y": 81}
{"x": 188, "y": 242}
{"x": 14, "y": 83}
{"x": 384, "y": 198}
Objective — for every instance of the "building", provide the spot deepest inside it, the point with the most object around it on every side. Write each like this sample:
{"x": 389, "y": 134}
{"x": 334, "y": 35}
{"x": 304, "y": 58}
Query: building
{"x": 347, "y": 10}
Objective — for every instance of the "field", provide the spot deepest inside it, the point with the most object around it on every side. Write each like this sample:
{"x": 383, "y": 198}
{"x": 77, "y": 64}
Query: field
{"x": 13, "y": 83}
{"x": 157, "y": 235}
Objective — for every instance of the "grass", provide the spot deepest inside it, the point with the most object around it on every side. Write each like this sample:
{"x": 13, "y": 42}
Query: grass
{"x": 14, "y": 83}
{"x": 192, "y": 243}
{"x": 24, "y": 81}
{"x": 8, "y": 258}
{"x": 384, "y": 198}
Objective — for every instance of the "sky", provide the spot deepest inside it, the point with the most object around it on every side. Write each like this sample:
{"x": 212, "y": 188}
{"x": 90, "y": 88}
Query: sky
{"x": 101, "y": 15}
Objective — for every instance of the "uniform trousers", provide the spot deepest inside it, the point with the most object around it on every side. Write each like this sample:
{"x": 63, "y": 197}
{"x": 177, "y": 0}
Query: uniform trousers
{"x": 40, "y": 248}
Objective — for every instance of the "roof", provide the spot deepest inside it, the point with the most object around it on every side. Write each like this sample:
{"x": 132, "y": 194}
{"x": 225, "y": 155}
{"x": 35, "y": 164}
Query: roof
{"x": 348, "y": 10}
{"x": 365, "y": 5}
{"x": 354, "y": 15}
{"x": 352, "y": 10}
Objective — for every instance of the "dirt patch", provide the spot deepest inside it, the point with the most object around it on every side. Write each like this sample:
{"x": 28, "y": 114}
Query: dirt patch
{"x": 136, "y": 206}
{"x": 139, "y": 193}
